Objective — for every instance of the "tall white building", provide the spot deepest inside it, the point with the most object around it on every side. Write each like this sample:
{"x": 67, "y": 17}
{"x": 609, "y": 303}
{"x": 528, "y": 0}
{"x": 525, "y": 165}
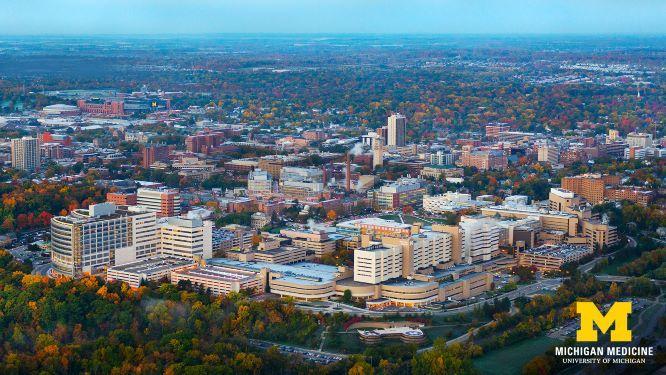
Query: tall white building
{"x": 428, "y": 249}
{"x": 397, "y": 129}
{"x": 186, "y": 237}
{"x": 377, "y": 263}
{"x": 479, "y": 239}
{"x": 441, "y": 158}
{"x": 259, "y": 182}
{"x": 25, "y": 153}
{"x": 88, "y": 240}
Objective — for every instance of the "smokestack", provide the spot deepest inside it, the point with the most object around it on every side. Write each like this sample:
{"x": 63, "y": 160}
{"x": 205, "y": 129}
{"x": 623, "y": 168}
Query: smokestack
{"x": 348, "y": 175}
{"x": 324, "y": 174}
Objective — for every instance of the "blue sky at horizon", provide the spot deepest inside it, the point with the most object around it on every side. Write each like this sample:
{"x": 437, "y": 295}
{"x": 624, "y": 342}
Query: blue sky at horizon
{"x": 61, "y": 17}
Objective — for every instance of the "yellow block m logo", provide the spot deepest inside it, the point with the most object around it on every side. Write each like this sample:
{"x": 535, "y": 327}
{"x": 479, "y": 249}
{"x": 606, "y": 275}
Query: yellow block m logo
{"x": 590, "y": 315}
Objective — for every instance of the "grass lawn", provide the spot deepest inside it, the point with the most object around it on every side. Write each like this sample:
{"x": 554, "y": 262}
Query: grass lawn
{"x": 611, "y": 268}
{"x": 510, "y": 360}
{"x": 347, "y": 343}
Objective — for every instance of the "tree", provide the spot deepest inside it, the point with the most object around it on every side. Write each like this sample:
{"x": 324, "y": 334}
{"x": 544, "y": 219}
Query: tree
{"x": 539, "y": 365}
{"x": 331, "y": 215}
{"x": 347, "y": 296}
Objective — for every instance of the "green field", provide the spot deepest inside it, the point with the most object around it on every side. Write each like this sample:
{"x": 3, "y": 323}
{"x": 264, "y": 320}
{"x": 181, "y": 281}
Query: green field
{"x": 510, "y": 360}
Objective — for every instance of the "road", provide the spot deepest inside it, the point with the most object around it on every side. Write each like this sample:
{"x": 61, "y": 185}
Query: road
{"x": 41, "y": 269}
{"x": 523, "y": 290}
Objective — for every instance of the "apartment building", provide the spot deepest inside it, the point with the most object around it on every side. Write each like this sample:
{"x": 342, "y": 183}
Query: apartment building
{"x": 630, "y": 193}
{"x": 25, "y": 154}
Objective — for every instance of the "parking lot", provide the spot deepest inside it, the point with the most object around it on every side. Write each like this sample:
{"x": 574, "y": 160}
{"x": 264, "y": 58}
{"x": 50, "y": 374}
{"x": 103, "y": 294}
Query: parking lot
{"x": 311, "y": 355}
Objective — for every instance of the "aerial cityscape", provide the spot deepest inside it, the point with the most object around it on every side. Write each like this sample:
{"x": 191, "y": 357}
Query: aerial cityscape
{"x": 258, "y": 202}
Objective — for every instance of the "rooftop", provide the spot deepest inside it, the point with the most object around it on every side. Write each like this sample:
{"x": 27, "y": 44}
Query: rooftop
{"x": 153, "y": 265}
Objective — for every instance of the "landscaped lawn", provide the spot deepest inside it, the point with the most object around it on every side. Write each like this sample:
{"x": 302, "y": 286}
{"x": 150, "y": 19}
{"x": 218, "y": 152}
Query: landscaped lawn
{"x": 510, "y": 360}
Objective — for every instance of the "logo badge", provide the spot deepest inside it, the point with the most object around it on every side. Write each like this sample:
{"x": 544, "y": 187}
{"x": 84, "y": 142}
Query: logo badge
{"x": 590, "y": 316}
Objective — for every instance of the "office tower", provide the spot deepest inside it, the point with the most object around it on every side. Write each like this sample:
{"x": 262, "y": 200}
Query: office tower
{"x": 153, "y": 153}
{"x": 397, "y": 128}
{"x": 164, "y": 202}
{"x": 186, "y": 237}
{"x": 25, "y": 154}
{"x": 88, "y": 240}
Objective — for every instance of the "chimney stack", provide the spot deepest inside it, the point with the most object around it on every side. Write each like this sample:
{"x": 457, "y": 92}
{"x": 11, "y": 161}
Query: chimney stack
{"x": 348, "y": 175}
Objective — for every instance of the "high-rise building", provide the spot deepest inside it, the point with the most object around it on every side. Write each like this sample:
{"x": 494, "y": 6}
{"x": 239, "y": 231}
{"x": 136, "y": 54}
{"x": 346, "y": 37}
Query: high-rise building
{"x": 186, "y": 237}
{"x": 25, "y": 154}
{"x": 88, "y": 240}
{"x": 479, "y": 239}
{"x": 590, "y": 186}
{"x": 549, "y": 154}
{"x": 153, "y": 153}
{"x": 422, "y": 250}
{"x": 164, "y": 202}
{"x": 397, "y": 129}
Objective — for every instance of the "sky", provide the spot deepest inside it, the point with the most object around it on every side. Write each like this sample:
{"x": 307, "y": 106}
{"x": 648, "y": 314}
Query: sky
{"x": 86, "y": 17}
